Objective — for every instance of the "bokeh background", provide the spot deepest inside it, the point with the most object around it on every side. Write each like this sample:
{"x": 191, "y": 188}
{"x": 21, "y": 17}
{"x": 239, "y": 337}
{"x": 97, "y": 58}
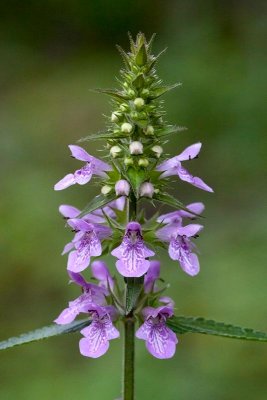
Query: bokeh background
{"x": 52, "y": 53}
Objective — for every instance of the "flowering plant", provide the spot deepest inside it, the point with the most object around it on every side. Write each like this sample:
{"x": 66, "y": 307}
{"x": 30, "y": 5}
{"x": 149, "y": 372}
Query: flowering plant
{"x": 136, "y": 170}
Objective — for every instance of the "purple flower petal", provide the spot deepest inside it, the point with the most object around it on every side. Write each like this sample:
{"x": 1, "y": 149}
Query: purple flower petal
{"x": 80, "y": 225}
{"x": 132, "y": 252}
{"x": 190, "y": 152}
{"x": 101, "y": 272}
{"x": 196, "y": 208}
{"x": 67, "y": 248}
{"x": 184, "y": 175}
{"x": 98, "y": 333}
{"x": 67, "y": 181}
{"x": 79, "y": 153}
{"x": 189, "y": 230}
{"x": 84, "y": 174}
{"x": 69, "y": 211}
{"x": 160, "y": 340}
{"x": 151, "y": 276}
{"x": 76, "y": 263}
{"x": 180, "y": 250}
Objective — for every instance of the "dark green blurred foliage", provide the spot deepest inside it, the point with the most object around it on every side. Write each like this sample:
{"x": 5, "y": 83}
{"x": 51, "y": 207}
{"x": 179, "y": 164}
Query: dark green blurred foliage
{"x": 52, "y": 53}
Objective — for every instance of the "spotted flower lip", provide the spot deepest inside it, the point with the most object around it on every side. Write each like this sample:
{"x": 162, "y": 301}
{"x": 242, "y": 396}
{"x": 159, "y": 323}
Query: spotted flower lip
{"x": 173, "y": 166}
{"x": 98, "y": 334}
{"x": 160, "y": 340}
{"x": 132, "y": 252}
{"x": 93, "y": 166}
{"x": 180, "y": 246}
{"x": 87, "y": 243}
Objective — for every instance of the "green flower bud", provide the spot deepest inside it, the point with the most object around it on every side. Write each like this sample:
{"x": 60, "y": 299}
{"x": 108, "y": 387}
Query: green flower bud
{"x": 149, "y": 130}
{"x": 115, "y": 117}
{"x": 106, "y": 189}
{"x": 143, "y": 162}
{"x": 131, "y": 93}
{"x": 128, "y": 161}
{"x": 126, "y": 127}
{"x": 115, "y": 151}
{"x": 157, "y": 150}
{"x": 124, "y": 107}
{"x": 145, "y": 93}
{"x": 139, "y": 103}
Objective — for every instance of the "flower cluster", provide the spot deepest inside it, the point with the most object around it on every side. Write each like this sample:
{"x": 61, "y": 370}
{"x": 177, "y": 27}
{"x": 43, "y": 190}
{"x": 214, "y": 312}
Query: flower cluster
{"x": 114, "y": 223}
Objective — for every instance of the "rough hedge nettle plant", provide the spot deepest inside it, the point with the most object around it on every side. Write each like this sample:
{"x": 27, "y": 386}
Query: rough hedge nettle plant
{"x": 134, "y": 173}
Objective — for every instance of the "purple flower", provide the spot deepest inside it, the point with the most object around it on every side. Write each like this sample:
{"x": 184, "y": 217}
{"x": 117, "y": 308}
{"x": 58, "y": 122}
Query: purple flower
{"x": 132, "y": 252}
{"x": 97, "y": 335}
{"x": 122, "y": 188}
{"x": 91, "y": 294}
{"x": 83, "y": 175}
{"x": 73, "y": 212}
{"x": 180, "y": 246}
{"x": 87, "y": 242}
{"x": 151, "y": 276}
{"x": 177, "y": 216}
{"x": 173, "y": 166}
{"x": 160, "y": 340}
{"x": 101, "y": 272}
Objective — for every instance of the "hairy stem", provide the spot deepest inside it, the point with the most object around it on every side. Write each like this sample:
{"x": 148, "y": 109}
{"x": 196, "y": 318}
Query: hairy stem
{"x": 128, "y": 381}
{"x": 129, "y": 324}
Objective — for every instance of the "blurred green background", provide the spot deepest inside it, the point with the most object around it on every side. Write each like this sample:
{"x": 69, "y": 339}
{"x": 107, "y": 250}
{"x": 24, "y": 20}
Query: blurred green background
{"x": 52, "y": 53}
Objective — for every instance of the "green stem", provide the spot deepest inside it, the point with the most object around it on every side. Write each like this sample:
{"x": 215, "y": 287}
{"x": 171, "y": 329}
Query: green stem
{"x": 128, "y": 382}
{"x": 129, "y": 324}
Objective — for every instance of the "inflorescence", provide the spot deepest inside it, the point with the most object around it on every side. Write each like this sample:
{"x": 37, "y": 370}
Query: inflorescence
{"x": 135, "y": 170}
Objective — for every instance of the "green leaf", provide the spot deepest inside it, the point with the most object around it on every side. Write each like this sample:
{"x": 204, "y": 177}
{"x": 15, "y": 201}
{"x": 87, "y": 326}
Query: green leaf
{"x": 139, "y": 81}
{"x": 169, "y": 200}
{"x": 113, "y": 93}
{"x": 136, "y": 177}
{"x": 99, "y": 136}
{"x": 124, "y": 55}
{"x": 141, "y": 56}
{"x": 133, "y": 289}
{"x": 43, "y": 333}
{"x": 155, "y": 93}
{"x": 98, "y": 202}
{"x": 183, "y": 324}
{"x": 171, "y": 130}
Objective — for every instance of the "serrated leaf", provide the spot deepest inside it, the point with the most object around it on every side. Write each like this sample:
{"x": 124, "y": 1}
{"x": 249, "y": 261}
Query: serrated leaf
{"x": 139, "y": 81}
{"x": 136, "y": 177}
{"x": 124, "y": 55}
{"x": 113, "y": 93}
{"x": 155, "y": 93}
{"x": 171, "y": 130}
{"x": 169, "y": 200}
{"x": 133, "y": 289}
{"x": 44, "y": 333}
{"x": 98, "y": 202}
{"x": 99, "y": 136}
{"x": 181, "y": 324}
{"x": 141, "y": 56}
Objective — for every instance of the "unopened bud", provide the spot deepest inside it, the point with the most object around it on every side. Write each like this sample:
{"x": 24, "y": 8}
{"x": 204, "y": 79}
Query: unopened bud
{"x": 136, "y": 148}
{"x": 124, "y": 107}
{"x": 131, "y": 93}
{"x": 126, "y": 127}
{"x": 149, "y": 130}
{"x": 139, "y": 103}
{"x": 115, "y": 117}
{"x": 157, "y": 150}
{"x": 106, "y": 189}
{"x": 115, "y": 151}
{"x": 146, "y": 190}
{"x": 145, "y": 92}
{"x": 143, "y": 162}
{"x": 122, "y": 188}
{"x": 128, "y": 161}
